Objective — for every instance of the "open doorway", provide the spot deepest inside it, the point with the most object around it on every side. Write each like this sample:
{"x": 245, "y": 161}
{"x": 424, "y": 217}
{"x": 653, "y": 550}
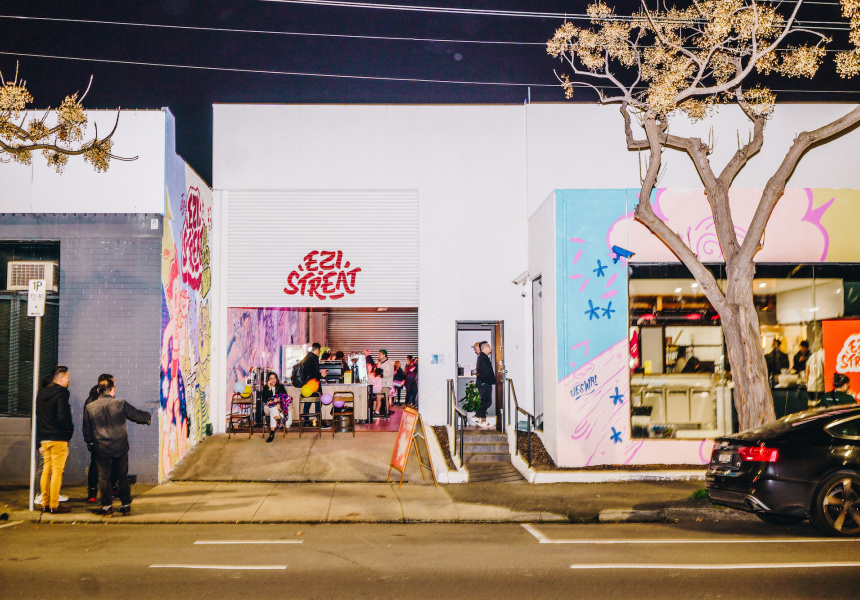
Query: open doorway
{"x": 468, "y": 334}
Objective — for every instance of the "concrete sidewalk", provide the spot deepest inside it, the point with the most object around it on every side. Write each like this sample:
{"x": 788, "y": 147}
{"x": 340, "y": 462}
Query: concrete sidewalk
{"x": 210, "y": 502}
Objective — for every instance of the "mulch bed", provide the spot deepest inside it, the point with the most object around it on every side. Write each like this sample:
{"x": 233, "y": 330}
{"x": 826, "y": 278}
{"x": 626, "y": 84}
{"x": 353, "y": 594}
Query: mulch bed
{"x": 442, "y": 435}
{"x": 542, "y": 461}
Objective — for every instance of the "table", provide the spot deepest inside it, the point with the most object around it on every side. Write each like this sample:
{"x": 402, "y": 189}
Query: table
{"x": 358, "y": 389}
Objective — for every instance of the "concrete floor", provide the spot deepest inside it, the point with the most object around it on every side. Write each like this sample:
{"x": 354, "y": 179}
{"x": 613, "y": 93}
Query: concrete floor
{"x": 365, "y": 457}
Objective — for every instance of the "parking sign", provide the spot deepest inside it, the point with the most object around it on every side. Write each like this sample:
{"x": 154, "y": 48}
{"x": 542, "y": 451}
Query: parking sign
{"x": 36, "y": 298}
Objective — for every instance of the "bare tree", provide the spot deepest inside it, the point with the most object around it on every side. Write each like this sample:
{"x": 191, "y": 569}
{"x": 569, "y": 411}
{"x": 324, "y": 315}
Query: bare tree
{"x": 663, "y": 63}
{"x": 62, "y": 138}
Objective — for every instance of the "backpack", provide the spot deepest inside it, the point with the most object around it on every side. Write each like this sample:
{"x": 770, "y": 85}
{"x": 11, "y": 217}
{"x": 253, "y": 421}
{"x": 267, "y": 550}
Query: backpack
{"x": 297, "y": 377}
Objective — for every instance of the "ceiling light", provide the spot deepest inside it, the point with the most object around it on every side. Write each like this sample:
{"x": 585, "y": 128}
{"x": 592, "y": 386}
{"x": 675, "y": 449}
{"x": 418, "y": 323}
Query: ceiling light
{"x": 381, "y": 309}
{"x": 677, "y": 290}
{"x": 839, "y": 291}
{"x": 761, "y": 285}
{"x": 694, "y": 285}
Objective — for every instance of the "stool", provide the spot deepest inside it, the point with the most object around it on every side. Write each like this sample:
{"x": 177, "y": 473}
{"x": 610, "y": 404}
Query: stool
{"x": 343, "y": 418}
{"x": 241, "y": 408}
{"x": 315, "y": 398}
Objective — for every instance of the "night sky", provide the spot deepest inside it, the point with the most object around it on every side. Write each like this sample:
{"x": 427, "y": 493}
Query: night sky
{"x": 189, "y": 93}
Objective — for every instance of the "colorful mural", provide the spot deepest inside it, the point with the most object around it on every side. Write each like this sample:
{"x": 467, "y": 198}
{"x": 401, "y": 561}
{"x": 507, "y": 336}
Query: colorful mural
{"x": 256, "y": 336}
{"x": 185, "y": 312}
{"x": 593, "y": 389}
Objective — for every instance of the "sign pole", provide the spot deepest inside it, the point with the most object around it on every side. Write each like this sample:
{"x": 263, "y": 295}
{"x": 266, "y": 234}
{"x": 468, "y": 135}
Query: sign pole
{"x": 35, "y": 308}
{"x": 36, "y": 352}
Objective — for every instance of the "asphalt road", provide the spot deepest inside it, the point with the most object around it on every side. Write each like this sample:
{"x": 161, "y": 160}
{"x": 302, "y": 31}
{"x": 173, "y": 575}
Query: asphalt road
{"x": 701, "y": 560}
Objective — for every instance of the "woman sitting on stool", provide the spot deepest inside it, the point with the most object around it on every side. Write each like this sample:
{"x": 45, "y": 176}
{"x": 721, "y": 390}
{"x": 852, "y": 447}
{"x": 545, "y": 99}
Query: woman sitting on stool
{"x": 273, "y": 406}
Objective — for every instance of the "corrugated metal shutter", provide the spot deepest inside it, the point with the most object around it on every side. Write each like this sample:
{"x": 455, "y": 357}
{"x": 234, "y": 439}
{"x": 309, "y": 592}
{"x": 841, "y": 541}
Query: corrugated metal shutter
{"x": 269, "y": 234}
{"x": 355, "y": 331}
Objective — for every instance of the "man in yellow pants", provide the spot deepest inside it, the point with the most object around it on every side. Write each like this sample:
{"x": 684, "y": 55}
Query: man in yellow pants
{"x": 54, "y": 429}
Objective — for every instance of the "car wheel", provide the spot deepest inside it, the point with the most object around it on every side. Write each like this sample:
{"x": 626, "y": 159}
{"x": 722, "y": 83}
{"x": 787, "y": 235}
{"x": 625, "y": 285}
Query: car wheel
{"x": 775, "y": 519}
{"x": 836, "y": 508}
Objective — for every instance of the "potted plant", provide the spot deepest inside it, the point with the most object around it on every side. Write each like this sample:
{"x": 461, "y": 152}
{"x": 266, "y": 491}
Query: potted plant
{"x": 472, "y": 400}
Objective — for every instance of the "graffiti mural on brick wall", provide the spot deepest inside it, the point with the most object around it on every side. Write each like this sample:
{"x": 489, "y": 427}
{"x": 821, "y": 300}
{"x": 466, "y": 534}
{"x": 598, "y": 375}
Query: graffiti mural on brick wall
{"x": 255, "y": 338}
{"x": 185, "y": 317}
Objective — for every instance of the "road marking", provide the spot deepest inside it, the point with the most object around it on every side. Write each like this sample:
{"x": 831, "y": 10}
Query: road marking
{"x": 545, "y": 540}
{"x": 224, "y": 567}
{"x": 11, "y": 524}
{"x": 723, "y": 567}
{"x": 199, "y": 542}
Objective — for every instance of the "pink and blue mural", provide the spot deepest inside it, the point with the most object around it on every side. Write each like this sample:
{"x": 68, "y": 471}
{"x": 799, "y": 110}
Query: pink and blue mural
{"x": 186, "y": 332}
{"x": 593, "y": 384}
{"x": 256, "y": 336}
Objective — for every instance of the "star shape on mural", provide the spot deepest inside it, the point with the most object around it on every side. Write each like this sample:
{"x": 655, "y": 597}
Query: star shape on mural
{"x": 616, "y": 436}
{"x": 607, "y": 312}
{"x": 600, "y": 269}
{"x": 592, "y": 311}
{"x": 617, "y": 398}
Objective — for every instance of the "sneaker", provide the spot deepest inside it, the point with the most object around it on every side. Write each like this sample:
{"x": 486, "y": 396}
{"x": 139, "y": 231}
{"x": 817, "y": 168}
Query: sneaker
{"x": 125, "y": 510}
{"x": 104, "y": 511}
{"x": 92, "y": 498}
{"x": 58, "y": 511}
{"x": 38, "y": 499}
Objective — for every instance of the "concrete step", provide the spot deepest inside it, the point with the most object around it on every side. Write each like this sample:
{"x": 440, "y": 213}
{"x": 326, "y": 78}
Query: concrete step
{"x": 499, "y": 448}
{"x": 494, "y": 473}
{"x": 486, "y": 457}
{"x": 485, "y": 437}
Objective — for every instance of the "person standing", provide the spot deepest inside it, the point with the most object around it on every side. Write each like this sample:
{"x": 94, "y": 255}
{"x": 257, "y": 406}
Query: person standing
{"x": 54, "y": 429}
{"x": 801, "y": 357}
{"x": 411, "y": 381}
{"x": 106, "y": 435}
{"x": 485, "y": 380}
{"x": 310, "y": 369}
{"x": 815, "y": 375}
{"x": 776, "y": 359}
{"x": 387, "y": 368}
{"x": 93, "y": 469}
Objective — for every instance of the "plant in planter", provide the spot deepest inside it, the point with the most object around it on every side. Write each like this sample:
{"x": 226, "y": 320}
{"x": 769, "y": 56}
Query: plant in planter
{"x": 472, "y": 400}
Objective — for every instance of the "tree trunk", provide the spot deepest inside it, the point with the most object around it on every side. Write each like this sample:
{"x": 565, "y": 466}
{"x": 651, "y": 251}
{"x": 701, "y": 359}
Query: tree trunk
{"x": 752, "y": 393}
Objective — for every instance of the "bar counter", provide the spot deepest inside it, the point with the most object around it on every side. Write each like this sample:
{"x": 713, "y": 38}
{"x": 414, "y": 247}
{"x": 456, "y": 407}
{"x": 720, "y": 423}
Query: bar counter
{"x": 358, "y": 389}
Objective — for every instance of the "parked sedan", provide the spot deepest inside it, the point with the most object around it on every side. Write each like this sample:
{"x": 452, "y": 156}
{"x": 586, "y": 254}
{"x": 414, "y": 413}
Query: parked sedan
{"x": 806, "y": 465}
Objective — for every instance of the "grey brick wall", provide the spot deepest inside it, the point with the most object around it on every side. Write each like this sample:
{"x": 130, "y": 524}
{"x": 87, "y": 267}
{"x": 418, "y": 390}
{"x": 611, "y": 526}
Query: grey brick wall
{"x": 110, "y": 317}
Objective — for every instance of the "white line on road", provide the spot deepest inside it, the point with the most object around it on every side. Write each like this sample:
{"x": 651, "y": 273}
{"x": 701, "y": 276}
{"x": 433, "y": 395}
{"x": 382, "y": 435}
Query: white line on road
{"x": 723, "y": 567}
{"x": 11, "y": 524}
{"x": 545, "y": 540}
{"x": 224, "y": 567}
{"x": 198, "y": 542}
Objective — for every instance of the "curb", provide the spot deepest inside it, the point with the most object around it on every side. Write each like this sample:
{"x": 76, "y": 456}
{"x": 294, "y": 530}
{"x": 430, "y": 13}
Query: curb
{"x": 674, "y": 515}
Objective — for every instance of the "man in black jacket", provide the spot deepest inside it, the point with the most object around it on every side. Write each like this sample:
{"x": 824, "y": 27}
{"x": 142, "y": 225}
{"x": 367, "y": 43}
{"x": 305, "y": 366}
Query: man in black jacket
{"x": 54, "y": 429}
{"x": 93, "y": 471}
{"x": 106, "y": 435}
{"x": 310, "y": 369}
{"x": 485, "y": 380}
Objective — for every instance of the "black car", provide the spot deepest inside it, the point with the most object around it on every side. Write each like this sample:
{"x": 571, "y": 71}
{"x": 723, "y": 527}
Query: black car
{"x": 806, "y": 465}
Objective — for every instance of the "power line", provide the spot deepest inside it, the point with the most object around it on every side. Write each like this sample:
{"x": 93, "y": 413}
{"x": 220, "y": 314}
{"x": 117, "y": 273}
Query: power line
{"x": 272, "y": 32}
{"x": 368, "y": 77}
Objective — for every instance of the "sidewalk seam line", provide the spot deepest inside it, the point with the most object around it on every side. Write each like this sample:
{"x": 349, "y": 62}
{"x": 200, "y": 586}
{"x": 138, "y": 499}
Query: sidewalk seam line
{"x": 264, "y": 501}
{"x": 330, "y": 502}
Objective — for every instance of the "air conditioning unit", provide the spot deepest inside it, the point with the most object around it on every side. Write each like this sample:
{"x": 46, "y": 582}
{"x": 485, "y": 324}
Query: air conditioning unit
{"x": 19, "y": 274}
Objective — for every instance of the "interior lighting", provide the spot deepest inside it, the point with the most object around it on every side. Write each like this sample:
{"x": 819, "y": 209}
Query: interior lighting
{"x": 694, "y": 285}
{"x": 761, "y": 285}
{"x": 677, "y": 290}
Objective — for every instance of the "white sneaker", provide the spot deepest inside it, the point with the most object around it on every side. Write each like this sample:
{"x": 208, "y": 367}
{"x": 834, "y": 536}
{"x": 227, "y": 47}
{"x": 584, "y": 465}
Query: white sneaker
{"x": 38, "y": 499}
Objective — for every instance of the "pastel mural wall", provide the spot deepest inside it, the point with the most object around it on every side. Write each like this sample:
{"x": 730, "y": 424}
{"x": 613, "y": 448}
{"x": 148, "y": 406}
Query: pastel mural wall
{"x": 186, "y": 338}
{"x": 256, "y": 335}
{"x": 593, "y": 384}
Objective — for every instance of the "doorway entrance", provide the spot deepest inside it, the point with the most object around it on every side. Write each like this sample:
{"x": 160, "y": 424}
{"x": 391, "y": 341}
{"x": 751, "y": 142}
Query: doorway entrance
{"x": 468, "y": 334}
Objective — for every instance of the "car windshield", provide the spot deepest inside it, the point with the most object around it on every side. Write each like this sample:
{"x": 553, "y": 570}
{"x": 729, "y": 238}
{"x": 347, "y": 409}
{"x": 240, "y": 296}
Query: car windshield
{"x": 795, "y": 420}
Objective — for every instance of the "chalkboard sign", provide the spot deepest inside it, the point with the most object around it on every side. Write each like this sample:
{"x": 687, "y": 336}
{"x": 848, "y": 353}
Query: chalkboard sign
{"x": 411, "y": 432}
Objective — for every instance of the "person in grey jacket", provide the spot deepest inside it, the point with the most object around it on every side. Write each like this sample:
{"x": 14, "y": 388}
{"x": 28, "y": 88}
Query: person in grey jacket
{"x": 106, "y": 435}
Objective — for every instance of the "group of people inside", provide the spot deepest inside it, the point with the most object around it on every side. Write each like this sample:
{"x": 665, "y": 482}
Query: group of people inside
{"x": 105, "y": 433}
{"x": 382, "y": 374}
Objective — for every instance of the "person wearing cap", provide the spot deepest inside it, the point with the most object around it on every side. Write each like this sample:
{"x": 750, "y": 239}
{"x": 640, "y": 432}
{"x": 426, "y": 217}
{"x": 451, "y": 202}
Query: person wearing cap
{"x": 841, "y": 393}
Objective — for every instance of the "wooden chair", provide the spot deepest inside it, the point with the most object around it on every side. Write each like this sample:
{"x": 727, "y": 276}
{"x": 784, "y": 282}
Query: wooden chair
{"x": 347, "y": 413}
{"x": 312, "y": 414}
{"x": 241, "y": 408}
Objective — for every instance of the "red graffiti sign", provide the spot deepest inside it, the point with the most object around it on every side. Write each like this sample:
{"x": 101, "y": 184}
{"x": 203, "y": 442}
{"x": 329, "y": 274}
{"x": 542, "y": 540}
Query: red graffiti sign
{"x": 324, "y": 275}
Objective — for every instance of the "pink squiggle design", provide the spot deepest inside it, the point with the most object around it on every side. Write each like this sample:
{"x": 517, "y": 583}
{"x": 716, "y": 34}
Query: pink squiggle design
{"x": 577, "y": 276}
{"x": 813, "y": 217}
{"x": 612, "y": 280}
{"x": 632, "y": 449}
{"x": 705, "y": 455}
{"x": 576, "y": 257}
{"x": 609, "y": 294}
{"x": 580, "y": 344}
{"x": 584, "y": 283}
{"x": 577, "y": 240}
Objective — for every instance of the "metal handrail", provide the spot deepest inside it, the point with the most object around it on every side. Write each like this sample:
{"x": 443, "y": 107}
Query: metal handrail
{"x": 530, "y": 421}
{"x": 457, "y": 418}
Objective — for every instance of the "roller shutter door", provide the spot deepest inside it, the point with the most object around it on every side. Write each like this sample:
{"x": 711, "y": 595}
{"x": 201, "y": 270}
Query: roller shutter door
{"x": 278, "y": 242}
{"x": 355, "y": 331}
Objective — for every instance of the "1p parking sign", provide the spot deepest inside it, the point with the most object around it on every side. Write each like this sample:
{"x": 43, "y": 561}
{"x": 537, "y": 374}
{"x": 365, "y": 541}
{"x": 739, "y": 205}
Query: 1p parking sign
{"x": 36, "y": 298}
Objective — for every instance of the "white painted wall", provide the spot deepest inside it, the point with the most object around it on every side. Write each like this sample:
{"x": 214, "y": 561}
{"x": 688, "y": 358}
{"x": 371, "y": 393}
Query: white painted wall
{"x": 480, "y": 171}
{"x": 542, "y": 263}
{"x": 127, "y": 187}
